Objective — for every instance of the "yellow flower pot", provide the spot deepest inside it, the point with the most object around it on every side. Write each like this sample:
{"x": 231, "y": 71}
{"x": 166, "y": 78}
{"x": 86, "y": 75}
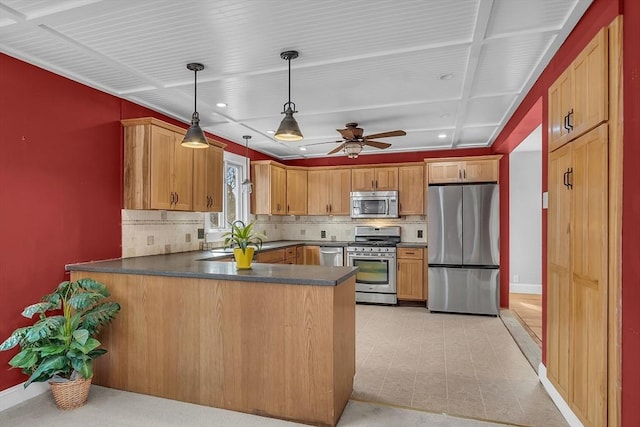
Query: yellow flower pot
{"x": 243, "y": 259}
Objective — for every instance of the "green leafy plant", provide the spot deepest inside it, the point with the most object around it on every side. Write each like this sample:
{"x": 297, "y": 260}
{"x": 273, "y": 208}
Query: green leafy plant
{"x": 63, "y": 344}
{"x": 242, "y": 236}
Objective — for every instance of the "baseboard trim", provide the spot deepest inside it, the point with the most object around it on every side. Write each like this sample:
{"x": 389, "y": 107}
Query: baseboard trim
{"x": 525, "y": 288}
{"x": 566, "y": 412}
{"x": 18, "y": 394}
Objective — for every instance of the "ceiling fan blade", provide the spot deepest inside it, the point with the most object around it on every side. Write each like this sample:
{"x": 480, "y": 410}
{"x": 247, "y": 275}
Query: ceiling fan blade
{"x": 321, "y": 143}
{"x": 346, "y": 133}
{"x": 377, "y": 144}
{"x": 386, "y": 134}
{"x": 335, "y": 150}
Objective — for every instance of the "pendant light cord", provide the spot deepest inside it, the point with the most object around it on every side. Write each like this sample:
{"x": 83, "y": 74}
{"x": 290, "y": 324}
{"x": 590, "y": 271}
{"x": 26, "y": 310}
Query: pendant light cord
{"x": 289, "y": 61}
{"x": 195, "y": 90}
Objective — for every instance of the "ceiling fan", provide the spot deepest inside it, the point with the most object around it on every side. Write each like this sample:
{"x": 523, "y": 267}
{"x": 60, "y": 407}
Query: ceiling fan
{"x": 353, "y": 140}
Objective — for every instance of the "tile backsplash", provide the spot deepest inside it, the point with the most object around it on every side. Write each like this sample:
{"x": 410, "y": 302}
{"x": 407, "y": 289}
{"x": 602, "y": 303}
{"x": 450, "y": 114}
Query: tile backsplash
{"x": 162, "y": 232}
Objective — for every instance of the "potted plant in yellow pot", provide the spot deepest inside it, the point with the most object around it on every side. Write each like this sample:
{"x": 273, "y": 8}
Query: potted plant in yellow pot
{"x": 244, "y": 242}
{"x": 60, "y": 346}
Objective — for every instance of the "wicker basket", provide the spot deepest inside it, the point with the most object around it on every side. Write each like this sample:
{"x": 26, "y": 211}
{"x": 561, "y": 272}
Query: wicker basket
{"x": 72, "y": 394}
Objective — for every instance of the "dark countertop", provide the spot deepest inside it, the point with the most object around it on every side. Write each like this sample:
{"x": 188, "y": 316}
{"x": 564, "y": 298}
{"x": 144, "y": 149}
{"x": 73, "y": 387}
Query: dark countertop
{"x": 191, "y": 264}
{"x": 411, "y": 245}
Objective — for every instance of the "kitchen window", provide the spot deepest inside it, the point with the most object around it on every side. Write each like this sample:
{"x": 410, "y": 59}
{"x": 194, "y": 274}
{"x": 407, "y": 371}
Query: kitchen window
{"x": 235, "y": 202}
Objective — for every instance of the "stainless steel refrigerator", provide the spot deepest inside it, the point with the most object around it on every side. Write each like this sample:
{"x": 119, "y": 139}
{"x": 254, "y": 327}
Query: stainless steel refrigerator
{"x": 463, "y": 225}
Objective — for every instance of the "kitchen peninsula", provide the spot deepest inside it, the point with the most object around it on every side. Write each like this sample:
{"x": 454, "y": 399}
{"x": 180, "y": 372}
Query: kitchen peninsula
{"x": 277, "y": 340}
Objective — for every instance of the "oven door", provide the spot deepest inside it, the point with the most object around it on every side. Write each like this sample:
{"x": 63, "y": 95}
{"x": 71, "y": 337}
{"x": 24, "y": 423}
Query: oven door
{"x": 376, "y": 277}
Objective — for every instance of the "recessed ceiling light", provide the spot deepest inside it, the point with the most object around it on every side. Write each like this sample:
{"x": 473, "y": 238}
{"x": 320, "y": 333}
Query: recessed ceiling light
{"x": 221, "y": 104}
{"x": 442, "y": 135}
{"x": 447, "y": 76}
{"x": 271, "y": 131}
{"x": 303, "y": 148}
{"x": 444, "y": 116}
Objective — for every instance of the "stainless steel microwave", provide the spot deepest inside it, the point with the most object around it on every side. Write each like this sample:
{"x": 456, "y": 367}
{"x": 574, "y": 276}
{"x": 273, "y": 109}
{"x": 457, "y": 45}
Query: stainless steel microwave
{"x": 374, "y": 204}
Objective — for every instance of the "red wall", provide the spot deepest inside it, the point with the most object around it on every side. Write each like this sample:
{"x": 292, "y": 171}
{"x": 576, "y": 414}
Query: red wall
{"x": 631, "y": 218}
{"x": 60, "y": 184}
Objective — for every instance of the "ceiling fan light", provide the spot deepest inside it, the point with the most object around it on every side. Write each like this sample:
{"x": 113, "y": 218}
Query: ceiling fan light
{"x": 288, "y": 129}
{"x": 352, "y": 149}
{"x": 194, "y": 138}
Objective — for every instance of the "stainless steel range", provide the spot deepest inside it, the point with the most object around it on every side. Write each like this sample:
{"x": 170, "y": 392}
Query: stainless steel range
{"x": 374, "y": 252}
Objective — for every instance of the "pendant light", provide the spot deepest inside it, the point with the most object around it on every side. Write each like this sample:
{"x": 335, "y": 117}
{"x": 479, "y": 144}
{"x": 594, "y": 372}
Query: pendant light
{"x": 289, "y": 129}
{"x": 194, "y": 138}
{"x": 247, "y": 185}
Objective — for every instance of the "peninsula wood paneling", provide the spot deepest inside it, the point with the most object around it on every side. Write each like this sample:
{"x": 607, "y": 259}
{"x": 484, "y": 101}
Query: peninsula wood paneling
{"x": 286, "y": 351}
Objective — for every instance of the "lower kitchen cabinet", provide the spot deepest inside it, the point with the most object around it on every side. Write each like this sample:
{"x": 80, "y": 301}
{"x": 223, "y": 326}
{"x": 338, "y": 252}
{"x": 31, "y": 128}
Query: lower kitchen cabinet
{"x": 311, "y": 255}
{"x": 411, "y": 280}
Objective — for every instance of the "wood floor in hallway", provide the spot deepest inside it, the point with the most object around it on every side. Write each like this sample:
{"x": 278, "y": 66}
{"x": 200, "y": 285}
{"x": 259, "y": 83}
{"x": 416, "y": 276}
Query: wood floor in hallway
{"x": 528, "y": 310}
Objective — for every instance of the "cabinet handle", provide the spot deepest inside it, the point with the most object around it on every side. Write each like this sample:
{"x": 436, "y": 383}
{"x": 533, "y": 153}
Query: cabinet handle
{"x": 570, "y": 178}
{"x": 565, "y": 179}
{"x": 565, "y": 124}
{"x": 330, "y": 208}
{"x": 288, "y": 208}
{"x": 177, "y": 197}
{"x": 459, "y": 174}
{"x": 464, "y": 173}
{"x": 172, "y": 198}
{"x": 372, "y": 186}
{"x": 326, "y": 208}
{"x": 569, "y": 121}
{"x": 376, "y": 183}
{"x": 409, "y": 253}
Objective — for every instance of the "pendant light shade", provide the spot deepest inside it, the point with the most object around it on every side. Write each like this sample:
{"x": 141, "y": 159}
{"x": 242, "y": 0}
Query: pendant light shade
{"x": 194, "y": 138}
{"x": 289, "y": 129}
{"x": 247, "y": 185}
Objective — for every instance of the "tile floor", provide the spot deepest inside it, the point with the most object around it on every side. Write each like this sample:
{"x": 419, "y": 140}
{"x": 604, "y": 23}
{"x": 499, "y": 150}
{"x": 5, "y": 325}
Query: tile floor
{"x": 447, "y": 363}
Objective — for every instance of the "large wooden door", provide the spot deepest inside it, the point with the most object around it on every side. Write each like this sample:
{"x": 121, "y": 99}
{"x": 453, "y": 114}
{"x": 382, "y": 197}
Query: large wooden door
{"x": 589, "y": 182}
{"x": 558, "y": 270}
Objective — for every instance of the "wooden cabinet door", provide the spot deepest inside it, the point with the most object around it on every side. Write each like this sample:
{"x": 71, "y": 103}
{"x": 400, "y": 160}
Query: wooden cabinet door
{"x": 560, "y": 102}
{"x": 161, "y": 169}
{"x": 215, "y": 178}
{"x": 278, "y": 183}
{"x": 386, "y": 179}
{"x": 589, "y": 271}
{"x": 318, "y": 192}
{"x": 363, "y": 179}
{"x": 558, "y": 270}
{"x": 182, "y": 175}
{"x": 411, "y": 190}
{"x": 339, "y": 188}
{"x": 480, "y": 171}
{"x": 590, "y": 85}
{"x": 296, "y": 185}
{"x": 208, "y": 164}
{"x": 410, "y": 274}
{"x": 444, "y": 172}
{"x": 311, "y": 255}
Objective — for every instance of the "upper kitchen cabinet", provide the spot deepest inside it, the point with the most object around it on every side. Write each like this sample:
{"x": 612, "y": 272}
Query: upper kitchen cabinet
{"x": 208, "y": 165}
{"x": 157, "y": 170}
{"x": 463, "y": 169}
{"x": 374, "y": 179}
{"x": 269, "y": 195}
{"x": 411, "y": 189}
{"x": 578, "y": 99}
{"x": 330, "y": 191}
{"x": 296, "y": 191}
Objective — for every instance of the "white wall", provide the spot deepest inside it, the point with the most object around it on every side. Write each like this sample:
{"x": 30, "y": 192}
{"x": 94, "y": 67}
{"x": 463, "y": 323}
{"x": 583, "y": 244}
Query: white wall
{"x": 525, "y": 215}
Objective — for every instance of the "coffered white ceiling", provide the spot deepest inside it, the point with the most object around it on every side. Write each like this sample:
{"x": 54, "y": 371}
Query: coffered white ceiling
{"x": 381, "y": 63}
